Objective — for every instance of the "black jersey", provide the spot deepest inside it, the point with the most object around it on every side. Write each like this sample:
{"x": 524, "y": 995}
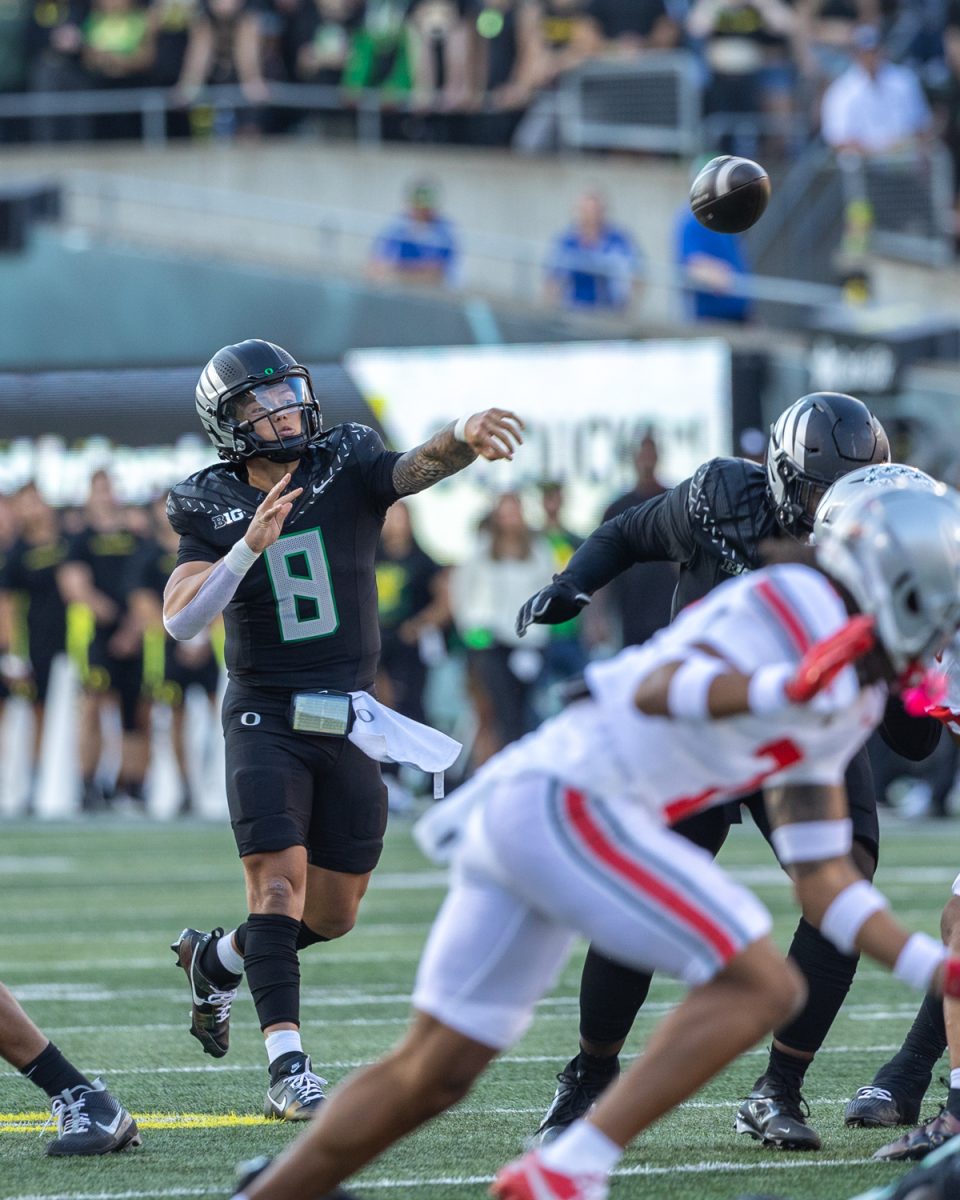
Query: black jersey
{"x": 154, "y": 568}
{"x": 113, "y": 558}
{"x": 30, "y": 570}
{"x": 305, "y": 614}
{"x": 712, "y": 525}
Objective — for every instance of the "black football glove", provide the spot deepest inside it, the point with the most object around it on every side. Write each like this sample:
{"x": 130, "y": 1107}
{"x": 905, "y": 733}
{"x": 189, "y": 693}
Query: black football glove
{"x": 557, "y": 602}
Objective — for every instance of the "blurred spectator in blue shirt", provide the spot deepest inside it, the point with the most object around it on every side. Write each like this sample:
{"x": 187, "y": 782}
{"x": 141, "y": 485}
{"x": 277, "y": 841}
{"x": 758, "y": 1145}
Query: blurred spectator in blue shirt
{"x": 593, "y": 264}
{"x": 713, "y": 263}
{"x": 419, "y": 246}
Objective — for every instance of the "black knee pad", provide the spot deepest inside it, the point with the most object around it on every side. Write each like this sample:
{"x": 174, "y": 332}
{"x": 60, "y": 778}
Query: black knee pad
{"x": 828, "y": 973}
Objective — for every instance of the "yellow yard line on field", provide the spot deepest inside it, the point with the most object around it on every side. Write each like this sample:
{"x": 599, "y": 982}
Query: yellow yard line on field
{"x": 33, "y": 1122}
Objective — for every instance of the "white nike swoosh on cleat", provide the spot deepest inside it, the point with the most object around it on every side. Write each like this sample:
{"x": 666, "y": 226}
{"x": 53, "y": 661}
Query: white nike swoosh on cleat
{"x": 113, "y": 1126}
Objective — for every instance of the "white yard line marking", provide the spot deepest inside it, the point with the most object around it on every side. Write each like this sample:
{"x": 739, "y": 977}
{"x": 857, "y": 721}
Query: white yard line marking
{"x": 701, "y": 1168}
{"x": 353, "y": 1063}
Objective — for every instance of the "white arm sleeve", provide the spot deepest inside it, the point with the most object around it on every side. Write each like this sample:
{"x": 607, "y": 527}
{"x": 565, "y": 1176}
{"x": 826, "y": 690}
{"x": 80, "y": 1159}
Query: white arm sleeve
{"x": 213, "y": 596}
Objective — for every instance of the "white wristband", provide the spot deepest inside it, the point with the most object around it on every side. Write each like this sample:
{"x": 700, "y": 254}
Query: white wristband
{"x": 848, "y": 912}
{"x": 460, "y": 429}
{"x": 688, "y": 692}
{"x": 766, "y": 691}
{"x": 812, "y": 841}
{"x": 240, "y": 558}
{"x": 918, "y": 960}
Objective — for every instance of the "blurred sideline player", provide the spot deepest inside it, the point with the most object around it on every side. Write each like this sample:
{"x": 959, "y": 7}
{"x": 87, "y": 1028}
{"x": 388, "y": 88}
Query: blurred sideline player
{"x": 8, "y": 536}
{"x": 171, "y": 668}
{"x": 106, "y": 642}
{"x": 281, "y": 538}
{"x": 413, "y": 608}
{"x": 754, "y": 687}
{"x": 89, "y": 1119}
{"x": 33, "y": 620}
{"x": 713, "y": 525}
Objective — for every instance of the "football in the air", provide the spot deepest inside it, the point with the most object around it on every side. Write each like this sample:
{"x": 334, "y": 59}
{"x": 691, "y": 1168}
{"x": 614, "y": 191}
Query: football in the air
{"x": 730, "y": 194}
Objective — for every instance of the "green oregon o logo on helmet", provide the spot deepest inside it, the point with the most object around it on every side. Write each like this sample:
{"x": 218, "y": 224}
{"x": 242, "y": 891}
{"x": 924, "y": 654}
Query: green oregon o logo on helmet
{"x": 268, "y": 370}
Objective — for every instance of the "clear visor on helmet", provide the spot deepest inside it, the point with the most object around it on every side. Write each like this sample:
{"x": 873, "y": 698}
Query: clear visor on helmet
{"x": 273, "y": 412}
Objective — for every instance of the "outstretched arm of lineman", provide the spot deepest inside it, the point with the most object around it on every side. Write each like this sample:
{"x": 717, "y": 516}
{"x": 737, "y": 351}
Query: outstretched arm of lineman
{"x": 659, "y": 530}
{"x": 197, "y": 592}
{"x": 492, "y": 434}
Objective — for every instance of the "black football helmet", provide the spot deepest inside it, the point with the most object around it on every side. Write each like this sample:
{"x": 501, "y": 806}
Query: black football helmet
{"x": 818, "y": 439}
{"x": 250, "y": 383}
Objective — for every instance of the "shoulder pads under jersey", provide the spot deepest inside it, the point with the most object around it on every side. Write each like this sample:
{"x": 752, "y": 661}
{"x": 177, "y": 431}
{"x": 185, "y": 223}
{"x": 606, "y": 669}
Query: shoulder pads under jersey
{"x": 730, "y": 510}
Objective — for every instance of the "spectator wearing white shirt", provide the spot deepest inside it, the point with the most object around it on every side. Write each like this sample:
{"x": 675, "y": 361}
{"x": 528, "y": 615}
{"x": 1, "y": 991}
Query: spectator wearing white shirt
{"x": 875, "y": 107}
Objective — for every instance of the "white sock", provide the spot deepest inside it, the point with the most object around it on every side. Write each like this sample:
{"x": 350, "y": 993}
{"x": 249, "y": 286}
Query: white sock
{"x": 582, "y": 1150}
{"x": 284, "y": 1041}
{"x": 955, "y": 1077}
{"x": 231, "y": 959}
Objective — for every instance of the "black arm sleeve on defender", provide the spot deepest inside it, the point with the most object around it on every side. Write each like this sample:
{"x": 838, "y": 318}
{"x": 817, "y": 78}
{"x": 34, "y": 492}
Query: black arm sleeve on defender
{"x": 913, "y": 737}
{"x": 658, "y": 530}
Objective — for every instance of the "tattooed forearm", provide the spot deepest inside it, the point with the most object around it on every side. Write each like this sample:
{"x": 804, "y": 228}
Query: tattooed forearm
{"x": 426, "y": 465}
{"x": 805, "y": 802}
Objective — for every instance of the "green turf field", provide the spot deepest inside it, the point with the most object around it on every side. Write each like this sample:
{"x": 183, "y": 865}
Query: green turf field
{"x": 90, "y": 908}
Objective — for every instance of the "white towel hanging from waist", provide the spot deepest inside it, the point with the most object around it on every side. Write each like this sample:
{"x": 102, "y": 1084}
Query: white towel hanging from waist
{"x": 388, "y": 737}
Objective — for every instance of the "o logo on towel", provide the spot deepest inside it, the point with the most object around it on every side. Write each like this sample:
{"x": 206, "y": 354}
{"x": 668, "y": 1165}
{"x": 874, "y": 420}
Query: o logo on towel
{"x": 363, "y": 714}
{"x": 249, "y": 718}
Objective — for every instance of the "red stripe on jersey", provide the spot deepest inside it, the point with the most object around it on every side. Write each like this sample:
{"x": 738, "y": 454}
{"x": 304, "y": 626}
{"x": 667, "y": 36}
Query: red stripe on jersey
{"x": 639, "y": 878}
{"x": 785, "y": 615}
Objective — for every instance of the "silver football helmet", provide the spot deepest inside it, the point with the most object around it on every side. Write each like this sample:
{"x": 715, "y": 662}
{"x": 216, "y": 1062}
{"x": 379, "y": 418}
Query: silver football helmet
{"x": 896, "y": 550}
{"x": 877, "y": 475}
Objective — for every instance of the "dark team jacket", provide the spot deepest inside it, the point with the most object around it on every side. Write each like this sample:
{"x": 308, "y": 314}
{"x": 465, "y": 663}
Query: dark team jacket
{"x": 31, "y": 570}
{"x": 305, "y": 614}
{"x": 712, "y": 525}
{"x": 113, "y": 558}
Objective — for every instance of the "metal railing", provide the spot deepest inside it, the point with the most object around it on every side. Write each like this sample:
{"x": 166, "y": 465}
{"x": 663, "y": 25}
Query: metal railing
{"x": 907, "y": 201}
{"x": 651, "y": 103}
{"x": 111, "y": 204}
{"x": 153, "y": 104}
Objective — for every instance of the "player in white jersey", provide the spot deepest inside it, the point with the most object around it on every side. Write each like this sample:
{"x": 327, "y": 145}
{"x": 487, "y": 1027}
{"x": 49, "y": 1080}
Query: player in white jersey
{"x": 775, "y": 680}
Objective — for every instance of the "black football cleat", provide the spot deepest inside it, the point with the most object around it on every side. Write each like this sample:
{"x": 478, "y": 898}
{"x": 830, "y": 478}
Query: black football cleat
{"x": 918, "y": 1143}
{"x": 936, "y": 1178}
{"x": 773, "y": 1114}
{"x": 878, "y": 1108}
{"x": 297, "y": 1094}
{"x": 210, "y": 1002}
{"x": 577, "y": 1092}
{"x": 90, "y": 1121}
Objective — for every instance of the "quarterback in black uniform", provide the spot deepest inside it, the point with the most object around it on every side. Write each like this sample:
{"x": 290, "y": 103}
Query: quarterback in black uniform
{"x": 282, "y": 538}
{"x": 713, "y": 525}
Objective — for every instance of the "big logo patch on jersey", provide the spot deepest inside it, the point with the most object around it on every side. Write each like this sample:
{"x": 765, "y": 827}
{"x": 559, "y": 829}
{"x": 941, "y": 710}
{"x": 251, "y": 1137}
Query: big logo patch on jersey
{"x": 228, "y": 518}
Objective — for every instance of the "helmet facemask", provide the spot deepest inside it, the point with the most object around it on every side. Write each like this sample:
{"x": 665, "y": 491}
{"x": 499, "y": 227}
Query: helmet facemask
{"x": 275, "y": 419}
{"x": 796, "y": 494}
